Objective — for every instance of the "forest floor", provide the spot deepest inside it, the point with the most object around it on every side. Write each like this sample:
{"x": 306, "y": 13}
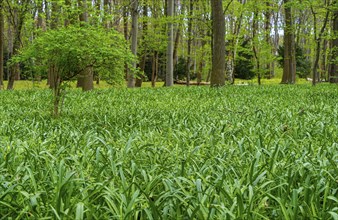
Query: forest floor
{"x": 27, "y": 84}
{"x": 237, "y": 152}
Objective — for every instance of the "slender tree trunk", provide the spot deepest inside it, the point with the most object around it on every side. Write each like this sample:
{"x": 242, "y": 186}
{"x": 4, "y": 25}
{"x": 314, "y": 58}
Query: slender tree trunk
{"x": 188, "y": 64}
{"x": 201, "y": 61}
{"x": 154, "y": 69}
{"x": 143, "y": 60}
{"x": 1, "y": 45}
{"x": 255, "y": 50}
{"x": 126, "y": 37}
{"x": 268, "y": 38}
{"x": 218, "y": 51}
{"x": 323, "y": 68}
{"x": 134, "y": 31}
{"x": 333, "y": 75}
{"x": 275, "y": 38}
{"x": 170, "y": 47}
{"x": 318, "y": 39}
{"x": 176, "y": 44}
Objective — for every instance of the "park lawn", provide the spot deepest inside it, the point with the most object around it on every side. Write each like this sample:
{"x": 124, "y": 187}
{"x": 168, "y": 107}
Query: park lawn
{"x": 238, "y": 152}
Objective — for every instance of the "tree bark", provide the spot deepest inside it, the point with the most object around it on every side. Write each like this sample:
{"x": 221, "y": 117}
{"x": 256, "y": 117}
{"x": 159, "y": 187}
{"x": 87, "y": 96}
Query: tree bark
{"x": 1, "y": 45}
{"x": 170, "y": 47}
{"x": 188, "y": 64}
{"x": 134, "y": 31}
{"x": 218, "y": 49}
{"x": 85, "y": 79}
{"x": 333, "y": 75}
{"x": 318, "y": 39}
{"x": 267, "y": 26}
{"x": 19, "y": 16}
{"x": 255, "y": 49}
{"x": 143, "y": 60}
{"x": 53, "y": 25}
{"x": 289, "y": 70}
{"x": 126, "y": 37}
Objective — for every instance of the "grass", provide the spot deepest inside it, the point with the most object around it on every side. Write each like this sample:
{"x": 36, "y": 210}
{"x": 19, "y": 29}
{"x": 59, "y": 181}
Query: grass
{"x": 239, "y": 152}
{"x": 26, "y": 84}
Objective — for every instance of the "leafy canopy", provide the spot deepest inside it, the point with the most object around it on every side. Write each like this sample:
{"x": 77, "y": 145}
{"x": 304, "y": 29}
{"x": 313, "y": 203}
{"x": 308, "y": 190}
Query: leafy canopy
{"x": 72, "y": 49}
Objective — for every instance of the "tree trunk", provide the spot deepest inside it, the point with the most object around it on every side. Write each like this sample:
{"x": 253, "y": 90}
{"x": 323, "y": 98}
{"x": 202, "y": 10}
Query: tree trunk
{"x": 289, "y": 70}
{"x": 333, "y": 75}
{"x": 218, "y": 49}
{"x": 318, "y": 39}
{"x": 126, "y": 37}
{"x": 323, "y": 68}
{"x": 56, "y": 85}
{"x": 134, "y": 31}
{"x": 19, "y": 16}
{"x": 1, "y": 45}
{"x": 170, "y": 47}
{"x": 85, "y": 79}
{"x": 143, "y": 60}
{"x": 191, "y": 8}
{"x": 53, "y": 25}
{"x": 255, "y": 41}
{"x": 177, "y": 42}
{"x": 154, "y": 69}
{"x": 267, "y": 26}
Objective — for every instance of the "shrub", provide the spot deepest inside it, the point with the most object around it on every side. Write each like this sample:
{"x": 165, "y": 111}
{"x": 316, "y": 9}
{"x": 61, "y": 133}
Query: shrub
{"x": 244, "y": 68}
{"x": 67, "y": 51}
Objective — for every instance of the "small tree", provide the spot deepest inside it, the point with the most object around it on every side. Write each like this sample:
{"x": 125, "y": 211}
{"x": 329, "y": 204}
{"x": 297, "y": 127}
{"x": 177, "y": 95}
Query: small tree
{"x": 69, "y": 50}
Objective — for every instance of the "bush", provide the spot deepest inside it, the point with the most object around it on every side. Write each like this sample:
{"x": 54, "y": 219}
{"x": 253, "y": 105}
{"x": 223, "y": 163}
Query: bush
{"x": 67, "y": 51}
{"x": 244, "y": 68}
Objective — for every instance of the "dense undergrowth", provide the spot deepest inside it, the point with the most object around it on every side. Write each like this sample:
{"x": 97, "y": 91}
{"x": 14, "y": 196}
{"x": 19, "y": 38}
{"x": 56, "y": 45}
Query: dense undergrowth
{"x": 240, "y": 152}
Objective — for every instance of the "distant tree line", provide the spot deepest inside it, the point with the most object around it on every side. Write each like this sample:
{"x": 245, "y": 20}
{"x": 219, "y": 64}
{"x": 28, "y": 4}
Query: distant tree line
{"x": 202, "y": 40}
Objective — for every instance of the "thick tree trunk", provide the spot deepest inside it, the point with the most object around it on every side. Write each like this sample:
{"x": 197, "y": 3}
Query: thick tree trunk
{"x": 19, "y": 17}
{"x": 289, "y": 70}
{"x": 218, "y": 51}
{"x": 53, "y": 25}
{"x": 88, "y": 83}
{"x": 85, "y": 79}
{"x": 170, "y": 47}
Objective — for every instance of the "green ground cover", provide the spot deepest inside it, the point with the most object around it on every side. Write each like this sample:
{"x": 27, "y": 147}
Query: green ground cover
{"x": 239, "y": 152}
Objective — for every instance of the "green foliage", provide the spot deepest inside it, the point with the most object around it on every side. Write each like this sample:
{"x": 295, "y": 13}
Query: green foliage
{"x": 72, "y": 49}
{"x": 303, "y": 64}
{"x": 180, "y": 71}
{"x": 244, "y": 68}
{"x": 260, "y": 153}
